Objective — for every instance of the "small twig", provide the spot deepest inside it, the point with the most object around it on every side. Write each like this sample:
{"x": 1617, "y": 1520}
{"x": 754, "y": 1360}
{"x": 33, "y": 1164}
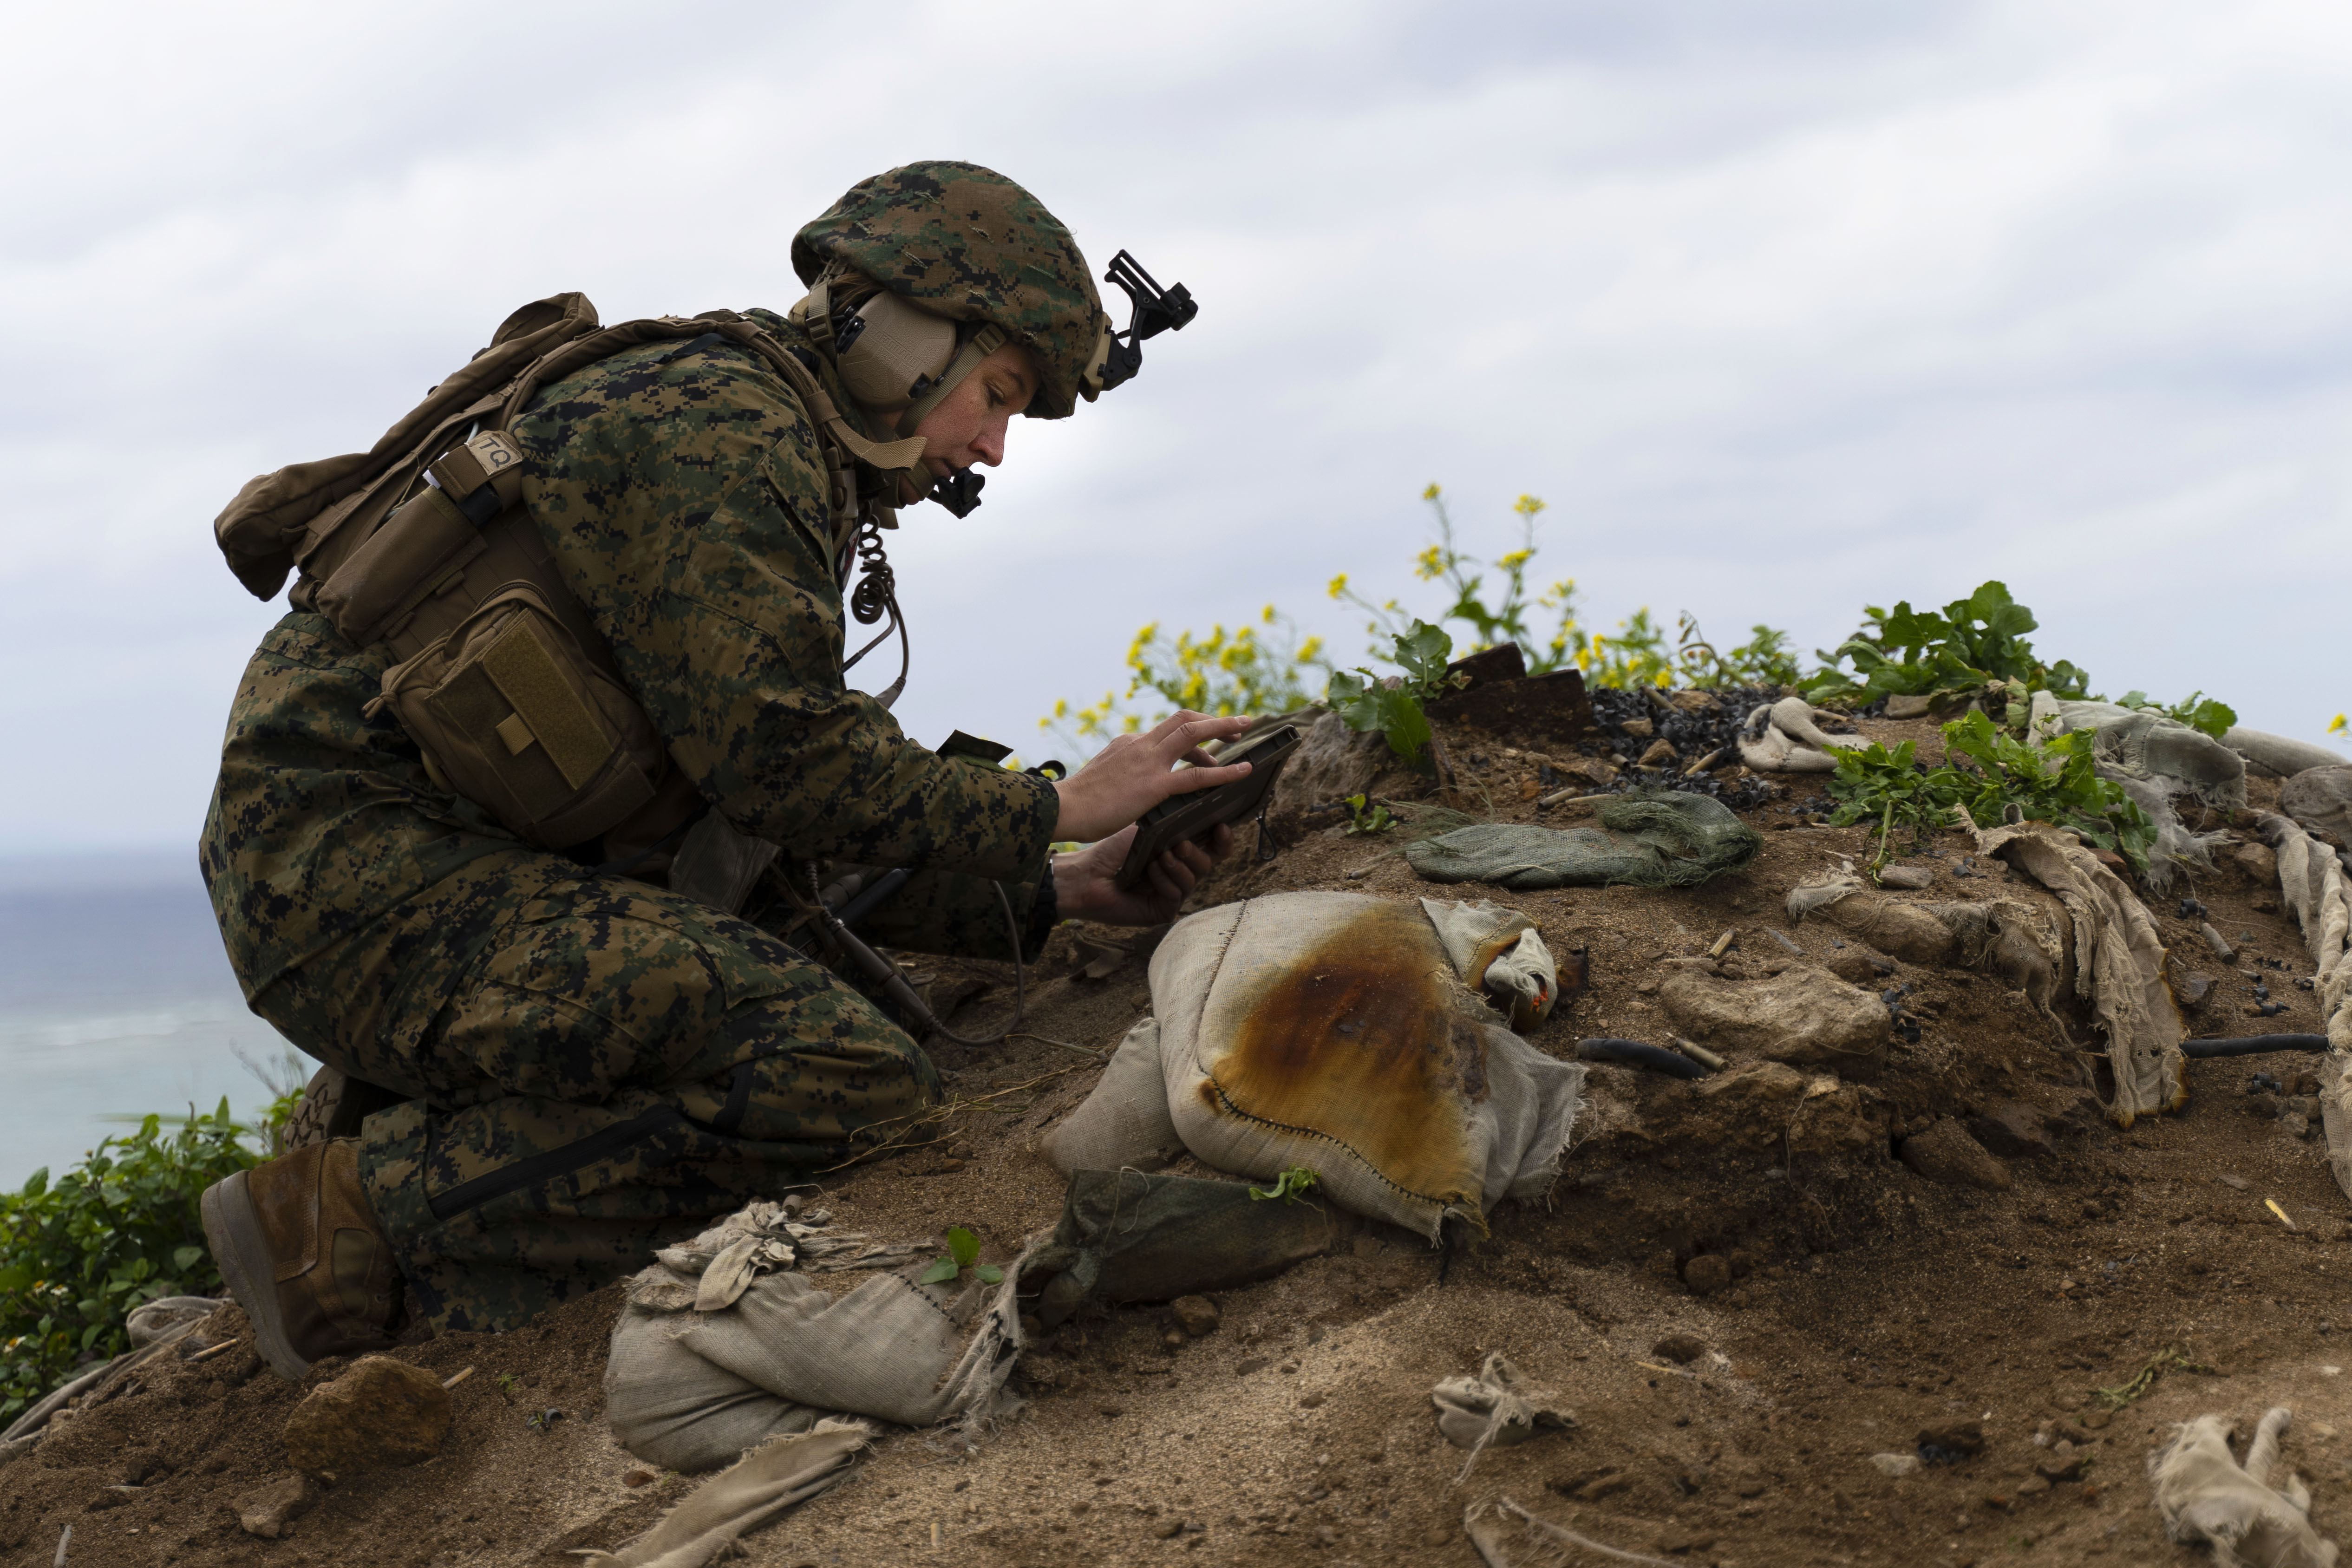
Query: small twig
{"x": 1565, "y": 798}
{"x": 459, "y": 1377}
{"x": 1723, "y": 943}
{"x": 1794, "y": 951}
{"x": 210, "y": 1351}
{"x": 63, "y": 1541}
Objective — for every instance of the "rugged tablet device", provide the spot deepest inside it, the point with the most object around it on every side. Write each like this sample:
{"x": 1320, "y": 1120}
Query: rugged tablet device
{"x": 1183, "y": 816}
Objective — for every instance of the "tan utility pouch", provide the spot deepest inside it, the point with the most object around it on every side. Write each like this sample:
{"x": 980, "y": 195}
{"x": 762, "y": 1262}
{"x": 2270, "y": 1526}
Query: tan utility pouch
{"x": 422, "y": 549}
{"x": 511, "y": 713}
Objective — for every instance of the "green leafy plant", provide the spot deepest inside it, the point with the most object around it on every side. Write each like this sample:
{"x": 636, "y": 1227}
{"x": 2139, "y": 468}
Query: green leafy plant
{"x": 78, "y": 1252}
{"x": 1366, "y": 702}
{"x": 2196, "y": 710}
{"x": 964, "y": 1254}
{"x": 1289, "y": 1186}
{"x": 1366, "y": 816}
{"x": 1991, "y": 773}
{"x": 1970, "y": 644}
{"x": 1874, "y": 782}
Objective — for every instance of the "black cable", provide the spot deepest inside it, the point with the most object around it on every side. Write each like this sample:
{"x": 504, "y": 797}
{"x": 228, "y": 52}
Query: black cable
{"x": 894, "y": 982}
{"x": 1633, "y": 1053}
{"x": 2254, "y": 1045}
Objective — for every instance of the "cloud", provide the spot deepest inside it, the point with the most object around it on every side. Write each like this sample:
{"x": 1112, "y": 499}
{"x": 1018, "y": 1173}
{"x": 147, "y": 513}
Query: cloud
{"x": 1785, "y": 307}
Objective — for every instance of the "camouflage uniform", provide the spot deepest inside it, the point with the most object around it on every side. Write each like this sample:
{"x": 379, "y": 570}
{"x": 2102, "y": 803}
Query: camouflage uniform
{"x": 591, "y": 1061}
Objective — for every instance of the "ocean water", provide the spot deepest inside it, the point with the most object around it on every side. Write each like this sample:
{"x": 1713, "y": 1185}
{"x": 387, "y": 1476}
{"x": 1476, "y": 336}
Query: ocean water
{"x": 116, "y": 1000}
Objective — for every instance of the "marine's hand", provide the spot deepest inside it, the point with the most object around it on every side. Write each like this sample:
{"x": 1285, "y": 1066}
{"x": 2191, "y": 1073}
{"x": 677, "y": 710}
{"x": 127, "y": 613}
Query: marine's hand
{"x": 1136, "y": 772}
{"x": 1085, "y": 888}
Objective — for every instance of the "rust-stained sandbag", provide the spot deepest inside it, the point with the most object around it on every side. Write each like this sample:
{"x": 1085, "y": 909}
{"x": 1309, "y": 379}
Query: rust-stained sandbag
{"x": 1335, "y": 1031}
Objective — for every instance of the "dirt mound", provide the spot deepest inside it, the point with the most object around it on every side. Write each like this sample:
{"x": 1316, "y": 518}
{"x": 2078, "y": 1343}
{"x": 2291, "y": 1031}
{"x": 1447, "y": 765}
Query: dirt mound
{"x": 1832, "y": 1243}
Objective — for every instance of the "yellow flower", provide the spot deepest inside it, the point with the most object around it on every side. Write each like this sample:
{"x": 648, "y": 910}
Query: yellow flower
{"x": 1426, "y": 565}
{"x": 1516, "y": 559}
{"x": 1431, "y": 493}
{"x": 2336, "y": 725}
{"x": 1309, "y": 650}
{"x": 1268, "y": 617}
{"x": 1527, "y": 506}
{"x": 1338, "y": 585}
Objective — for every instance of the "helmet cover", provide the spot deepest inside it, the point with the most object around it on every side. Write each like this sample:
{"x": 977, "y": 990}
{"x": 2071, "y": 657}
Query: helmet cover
{"x": 966, "y": 243}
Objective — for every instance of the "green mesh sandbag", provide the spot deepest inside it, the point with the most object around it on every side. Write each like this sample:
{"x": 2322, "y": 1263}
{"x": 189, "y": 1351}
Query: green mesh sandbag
{"x": 1128, "y": 1237}
{"x": 1655, "y": 839}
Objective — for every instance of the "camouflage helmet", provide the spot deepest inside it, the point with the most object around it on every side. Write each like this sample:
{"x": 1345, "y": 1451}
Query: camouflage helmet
{"x": 966, "y": 243}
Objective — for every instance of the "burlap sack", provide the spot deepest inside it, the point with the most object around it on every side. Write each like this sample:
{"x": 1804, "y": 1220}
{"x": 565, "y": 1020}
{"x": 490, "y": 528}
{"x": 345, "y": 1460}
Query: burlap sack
{"x": 723, "y": 1344}
{"x": 1339, "y": 1032}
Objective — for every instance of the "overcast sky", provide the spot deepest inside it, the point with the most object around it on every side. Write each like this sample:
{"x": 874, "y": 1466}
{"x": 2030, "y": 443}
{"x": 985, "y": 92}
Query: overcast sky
{"x": 1785, "y": 308}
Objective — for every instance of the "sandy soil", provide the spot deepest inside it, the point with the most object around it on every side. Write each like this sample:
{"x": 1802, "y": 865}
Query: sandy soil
{"x": 1867, "y": 1306}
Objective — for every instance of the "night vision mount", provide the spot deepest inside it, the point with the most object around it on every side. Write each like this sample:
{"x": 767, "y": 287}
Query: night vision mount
{"x": 1151, "y": 311}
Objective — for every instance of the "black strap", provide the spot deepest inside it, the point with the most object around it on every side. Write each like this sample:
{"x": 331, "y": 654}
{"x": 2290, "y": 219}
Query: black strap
{"x": 542, "y": 1168}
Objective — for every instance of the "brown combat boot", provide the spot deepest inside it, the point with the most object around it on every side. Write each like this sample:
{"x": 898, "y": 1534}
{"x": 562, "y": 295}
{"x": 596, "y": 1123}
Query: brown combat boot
{"x": 303, "y": 1255}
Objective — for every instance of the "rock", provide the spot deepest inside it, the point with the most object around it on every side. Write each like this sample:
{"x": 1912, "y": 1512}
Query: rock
{"x": 379, "y": 1415}
{"x": 1167, "y": 1529}
{"x": 2013, "y": 1131}
{"x": 2193, "y": 989}
{"x": 1912, "y": 877}
{"x": 1661, "y": 753}
{"x": 1945, "y": 1154}
{"x": 2063, "y": 1464}
{"x": 1805, "y": 1015}
{"x": 1707, "y": 1274}
{"x": 1896, "y": 1465}
{"x": 1755, "y": 1084}
{"x": 1682, "y": 1349}
{"x": 2294, "y": 1125}
{"x": 1965, "y": 1437}
{"x": 1640, "y": 729}
{"x": 2257, "y": 863}
{"x": 1196, "y": 1314}
{"x": 1249, "y": 1364}
{"x": 1907, "y": 705}
{"x": 268, "y": 1513}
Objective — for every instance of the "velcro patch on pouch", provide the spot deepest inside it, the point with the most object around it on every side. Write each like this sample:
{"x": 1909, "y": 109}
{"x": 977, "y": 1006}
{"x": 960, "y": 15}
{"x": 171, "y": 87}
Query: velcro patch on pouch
{"x": 549, "y": 706}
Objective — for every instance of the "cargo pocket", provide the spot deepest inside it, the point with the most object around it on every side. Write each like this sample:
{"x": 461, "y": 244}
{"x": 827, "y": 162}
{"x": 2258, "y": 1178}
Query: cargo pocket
{"x": 513, "y": 715}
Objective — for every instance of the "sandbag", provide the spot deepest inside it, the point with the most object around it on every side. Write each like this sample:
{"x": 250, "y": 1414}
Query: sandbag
{"x": 724, "y": 1343}
{"x": 784, "y": 1471}
{"x": 2203, "y": 1493}
{"x": 2311, "y": 879}
{"x": 1662, "y": 839}
{"x": 2277, "y": 756}
{"x": 2152, "y": 758}
{"x": 1128, "y": 1236}
{"x": 2119, "y": 968}
{"x": 1783, "y": 737}
{"x": 1335, "y": 1031}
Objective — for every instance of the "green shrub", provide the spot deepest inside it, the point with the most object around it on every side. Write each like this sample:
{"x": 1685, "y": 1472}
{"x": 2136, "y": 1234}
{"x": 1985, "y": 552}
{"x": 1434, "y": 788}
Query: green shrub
{"x": 1989, "y": 773}
{"x": 78, "y": 1252}
{"x": 1973, "y": 643}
